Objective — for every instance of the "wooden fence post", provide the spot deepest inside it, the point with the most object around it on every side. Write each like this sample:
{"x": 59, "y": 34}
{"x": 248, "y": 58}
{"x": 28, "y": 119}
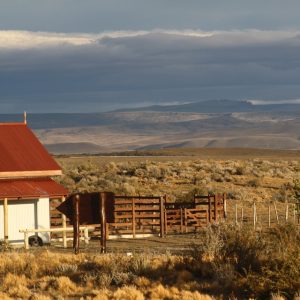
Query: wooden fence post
{"x": 181, "y": 220}
{"x": 254, "y": 215}
{"x": 269, "y": 216}
{"x": 216, "y": 208}
{"x": 64, "y": 225}
{"x": 242, "y": 216}
{"x": 26, "y": 241}
{"x": 225, "y": 206}
{"x": 102, "y": 201}
{"x": 76, "y": 233}
{"x": 287, "y": 212}
{"x": 166, "y": 221}
{"x": 209, "y": 209}
{"x": 162, "y": 227}
{"x": 236, "y": 214}
{"x": 133, "y": 218}
{"x": 276, "y": 212}
{"x": 185, "y": 222}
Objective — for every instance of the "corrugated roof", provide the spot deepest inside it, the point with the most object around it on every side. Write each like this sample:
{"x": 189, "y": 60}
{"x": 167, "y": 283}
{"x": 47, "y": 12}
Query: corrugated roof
{"x": 31, "y": 188}
{"x": 21, "y": 152}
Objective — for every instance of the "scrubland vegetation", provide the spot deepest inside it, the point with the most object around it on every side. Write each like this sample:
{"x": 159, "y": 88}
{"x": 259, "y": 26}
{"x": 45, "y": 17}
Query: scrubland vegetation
{"x": 223, "y": 261}
{"x": 242, "y": 180}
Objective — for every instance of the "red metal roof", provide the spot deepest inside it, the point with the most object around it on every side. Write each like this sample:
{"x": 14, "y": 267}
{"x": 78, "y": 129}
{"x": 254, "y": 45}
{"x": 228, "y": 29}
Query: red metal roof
{"x": 31, "y": 188}
{"x": 21, "y": 151}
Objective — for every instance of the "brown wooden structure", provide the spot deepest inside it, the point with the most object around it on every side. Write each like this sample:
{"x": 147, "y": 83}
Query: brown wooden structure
{"x": 133, "y": 216}
{"x": 87, "y": 209}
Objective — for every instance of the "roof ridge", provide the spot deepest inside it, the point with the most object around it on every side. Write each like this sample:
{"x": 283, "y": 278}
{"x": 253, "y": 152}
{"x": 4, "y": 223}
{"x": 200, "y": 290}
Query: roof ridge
{"x": 10, "y": 124}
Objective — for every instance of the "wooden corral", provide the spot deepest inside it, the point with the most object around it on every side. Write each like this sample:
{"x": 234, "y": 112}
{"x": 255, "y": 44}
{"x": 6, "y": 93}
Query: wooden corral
{"x": 143, "y": 215}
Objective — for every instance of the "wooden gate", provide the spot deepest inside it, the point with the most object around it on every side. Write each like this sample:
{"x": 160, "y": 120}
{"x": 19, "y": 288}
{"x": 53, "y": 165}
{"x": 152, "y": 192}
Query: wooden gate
{"x": 191, "y": 216}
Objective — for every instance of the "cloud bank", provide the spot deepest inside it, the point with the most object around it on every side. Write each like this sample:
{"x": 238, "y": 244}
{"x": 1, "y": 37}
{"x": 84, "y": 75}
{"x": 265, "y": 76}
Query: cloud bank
{"x": 51, "y": 72}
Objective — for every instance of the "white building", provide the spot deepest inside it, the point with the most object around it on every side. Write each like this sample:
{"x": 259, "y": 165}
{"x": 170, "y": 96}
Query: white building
{"x": 25, "y": 183}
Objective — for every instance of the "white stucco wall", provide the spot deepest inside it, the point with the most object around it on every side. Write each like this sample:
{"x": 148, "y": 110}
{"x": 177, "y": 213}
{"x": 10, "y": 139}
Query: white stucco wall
{"x": 26, "y": 214}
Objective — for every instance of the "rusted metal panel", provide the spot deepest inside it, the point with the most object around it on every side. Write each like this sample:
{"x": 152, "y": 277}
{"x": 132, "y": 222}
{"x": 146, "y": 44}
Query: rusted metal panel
{"x": 31, "y": 188}
{"x": 89, "y": 207}
{"x": 21, "y": 151}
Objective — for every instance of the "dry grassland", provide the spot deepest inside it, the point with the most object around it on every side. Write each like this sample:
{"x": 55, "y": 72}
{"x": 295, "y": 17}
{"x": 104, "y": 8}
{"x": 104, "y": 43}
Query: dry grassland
{"x": 224, "y": 261}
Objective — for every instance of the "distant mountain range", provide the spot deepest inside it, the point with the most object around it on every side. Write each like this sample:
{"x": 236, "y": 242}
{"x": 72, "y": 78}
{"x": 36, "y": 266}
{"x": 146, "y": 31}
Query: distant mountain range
{"x": 216, "y": 123}
{"x": 218, "y": 106}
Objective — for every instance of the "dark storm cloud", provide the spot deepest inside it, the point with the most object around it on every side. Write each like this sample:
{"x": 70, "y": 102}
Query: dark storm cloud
{"x": 77, "y": 72}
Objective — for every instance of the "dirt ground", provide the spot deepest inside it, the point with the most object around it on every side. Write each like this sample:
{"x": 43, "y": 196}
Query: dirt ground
{"x": 173, "y": 244}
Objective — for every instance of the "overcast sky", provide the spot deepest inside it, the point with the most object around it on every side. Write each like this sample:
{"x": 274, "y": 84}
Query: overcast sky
{"x": 93, "y": 55}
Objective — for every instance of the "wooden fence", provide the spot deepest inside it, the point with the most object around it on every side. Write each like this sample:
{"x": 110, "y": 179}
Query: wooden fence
{"x": 262, "y": 215}
{"x": 191, "y": 216}
{"x": 143, "y": 215}
{"x": 138, "y": 215}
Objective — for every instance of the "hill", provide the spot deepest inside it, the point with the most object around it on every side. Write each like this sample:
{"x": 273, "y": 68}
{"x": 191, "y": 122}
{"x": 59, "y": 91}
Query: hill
{"x": 225, "y": 124}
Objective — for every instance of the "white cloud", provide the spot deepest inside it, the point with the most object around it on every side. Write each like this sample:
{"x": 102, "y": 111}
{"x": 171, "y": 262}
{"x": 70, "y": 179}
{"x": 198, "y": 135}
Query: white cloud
{"x": 281, "y": 101}
{"x": 12, "y": 39}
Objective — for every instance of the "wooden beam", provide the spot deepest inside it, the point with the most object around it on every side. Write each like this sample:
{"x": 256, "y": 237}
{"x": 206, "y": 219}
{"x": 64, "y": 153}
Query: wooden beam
{"x": 5, "y": 219}
{"x": 21, "y": 174}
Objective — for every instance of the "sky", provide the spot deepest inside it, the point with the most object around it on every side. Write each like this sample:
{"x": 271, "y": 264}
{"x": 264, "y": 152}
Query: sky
{"x": 95, "y": 55}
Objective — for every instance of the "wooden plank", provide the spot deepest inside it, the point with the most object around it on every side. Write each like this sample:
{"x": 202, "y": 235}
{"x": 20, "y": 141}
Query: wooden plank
{"x": 138, "y": 197}
{"x": 30, "y": 173}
